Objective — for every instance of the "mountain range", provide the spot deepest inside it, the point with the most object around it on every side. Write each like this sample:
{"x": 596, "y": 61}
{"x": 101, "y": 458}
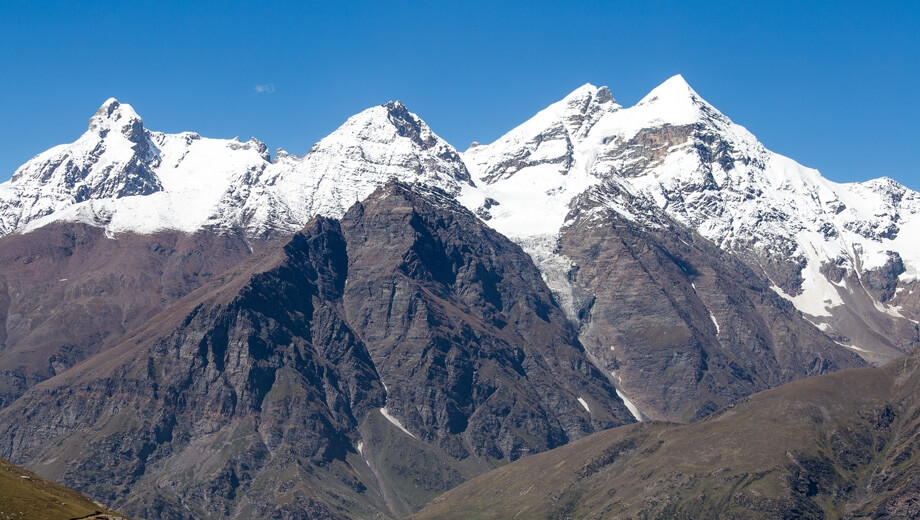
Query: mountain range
{"x": 195, "y": 327}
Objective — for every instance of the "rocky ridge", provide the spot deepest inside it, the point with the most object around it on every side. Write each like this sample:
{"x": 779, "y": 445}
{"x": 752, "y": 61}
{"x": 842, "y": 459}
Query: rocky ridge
{"x": 841, "y": 445}
{"x": 360, "y": 369}
{"x": 68, "y": 292}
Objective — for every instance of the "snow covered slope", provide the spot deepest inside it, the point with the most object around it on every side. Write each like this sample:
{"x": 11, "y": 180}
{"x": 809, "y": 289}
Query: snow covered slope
{"x": 843, "y": 254}
{"x": 345, "y": 167}
{"x": 123, "y": 177}
{"x": 829, "y": 248}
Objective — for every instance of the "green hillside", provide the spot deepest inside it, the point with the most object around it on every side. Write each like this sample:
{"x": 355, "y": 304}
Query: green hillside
{"x": 24, "y": 494}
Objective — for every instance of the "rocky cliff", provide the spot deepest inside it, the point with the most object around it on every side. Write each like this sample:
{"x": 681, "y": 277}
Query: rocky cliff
{"x": 359, "y": 369}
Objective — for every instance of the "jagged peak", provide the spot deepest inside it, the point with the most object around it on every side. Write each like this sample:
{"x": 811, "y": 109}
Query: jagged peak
{"x": 396, "y": 108}
{"x": 380, "y": 123}
{"x": 408, "y": 124}
{"x": 584, "y": 99}
{"x": 590, "y": 92}
{"x": 572, "y": 111}
{"x": 121, "y": 117}
{"x": 394, "y": 112}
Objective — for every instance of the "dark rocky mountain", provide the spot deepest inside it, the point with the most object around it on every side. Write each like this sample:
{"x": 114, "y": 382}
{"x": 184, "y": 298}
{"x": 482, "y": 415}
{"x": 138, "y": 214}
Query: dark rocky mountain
{"x": 660, "y": 308}
{"x": 841, "y": 445}
{"x": 68, "y": 291}
{"x": 358, "y": 370}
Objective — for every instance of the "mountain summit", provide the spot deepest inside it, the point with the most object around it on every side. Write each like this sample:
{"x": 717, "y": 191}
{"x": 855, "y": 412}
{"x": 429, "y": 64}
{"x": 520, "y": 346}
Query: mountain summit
{"x": 828, "y": 248}
{"x": 114, "y": 158}
{"x": 113, "y": 115}
{"x": 381, "y": 143}
{"x": 106, "y": 177}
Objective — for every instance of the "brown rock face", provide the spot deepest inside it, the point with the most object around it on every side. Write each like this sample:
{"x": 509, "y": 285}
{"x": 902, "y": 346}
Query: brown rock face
{"x": 682, "y": 327}
{"x": 276, "y": 388}
{"x": 840, "y": 445}
{"x": 68, "y": 292}
{"x": 448, "y": 308}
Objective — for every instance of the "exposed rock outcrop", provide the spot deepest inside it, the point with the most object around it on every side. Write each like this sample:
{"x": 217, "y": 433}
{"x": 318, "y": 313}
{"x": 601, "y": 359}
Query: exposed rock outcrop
{"x": 360, "y": 369}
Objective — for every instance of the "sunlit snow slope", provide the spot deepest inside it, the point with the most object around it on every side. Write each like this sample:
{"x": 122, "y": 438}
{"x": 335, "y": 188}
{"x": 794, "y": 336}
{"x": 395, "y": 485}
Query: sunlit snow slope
{"x": 846, "y": 255}
{"x": 123, "y": 177}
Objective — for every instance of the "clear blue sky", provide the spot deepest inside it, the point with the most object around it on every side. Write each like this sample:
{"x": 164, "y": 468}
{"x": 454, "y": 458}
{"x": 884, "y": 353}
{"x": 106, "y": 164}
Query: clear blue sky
{"x": 834, "y": 85}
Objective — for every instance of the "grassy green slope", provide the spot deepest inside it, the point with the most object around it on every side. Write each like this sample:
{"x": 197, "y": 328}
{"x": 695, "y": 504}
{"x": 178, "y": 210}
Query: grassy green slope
{"x": 23, "y": 494}
{"x": 835, "y": 446}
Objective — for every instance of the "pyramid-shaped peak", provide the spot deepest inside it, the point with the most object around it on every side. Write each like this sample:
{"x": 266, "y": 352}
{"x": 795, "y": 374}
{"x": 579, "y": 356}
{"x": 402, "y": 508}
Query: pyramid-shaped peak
{"x": 674, "y": 90}
{"x": 120, "y": 117}
{"x": 408, "y": 124}
{"x": 112, "y": 110}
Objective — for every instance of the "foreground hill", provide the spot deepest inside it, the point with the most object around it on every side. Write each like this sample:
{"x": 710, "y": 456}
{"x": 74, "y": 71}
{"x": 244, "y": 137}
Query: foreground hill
{"x": 24, "y": 494}
{"x": 835, "y": 446}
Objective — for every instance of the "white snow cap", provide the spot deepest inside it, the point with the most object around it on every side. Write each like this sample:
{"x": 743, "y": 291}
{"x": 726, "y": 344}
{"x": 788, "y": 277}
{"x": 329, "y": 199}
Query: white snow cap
{"x": 674, "y": 102}
{"x": 123, "y": 177}
{"x": 122, "y": 118}
{"x": 674, "y": 88}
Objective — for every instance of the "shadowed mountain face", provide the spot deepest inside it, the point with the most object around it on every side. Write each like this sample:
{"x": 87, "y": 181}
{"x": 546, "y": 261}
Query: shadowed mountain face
{"x": 68, "y": 292}
{"x": 444, "y": 302}
{"x": 662, "y": 309}
{"x": 835, "y": 446}
{"x": 358, "y": 370}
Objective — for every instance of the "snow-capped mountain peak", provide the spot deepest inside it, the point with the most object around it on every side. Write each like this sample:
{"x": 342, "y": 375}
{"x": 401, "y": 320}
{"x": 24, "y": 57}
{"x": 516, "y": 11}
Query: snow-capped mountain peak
{"x": 672, "y": 152}
{"x": 825, "y": 246}
{"x": 542, "y": 165}
{"x": 673, "y": 91}
{"x": 119, "y": 117}
{"x": 379, "y": 143}
{"x": 114, "y": 158}
{"x": 123, "y": 177}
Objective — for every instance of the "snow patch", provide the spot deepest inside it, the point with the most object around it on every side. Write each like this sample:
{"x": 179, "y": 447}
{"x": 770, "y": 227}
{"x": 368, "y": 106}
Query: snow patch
{"x": 887, "y": 309}
{"x": 633, "y": 409}
{"x": 395, "y": 421}
{"x": 852, "y": 347}
{"x": 584, "y": 404}
{"x": 554, "y": 269}
{"x": 714, "y": 322}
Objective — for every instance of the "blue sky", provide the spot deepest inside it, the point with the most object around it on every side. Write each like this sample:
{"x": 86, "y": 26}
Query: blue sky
{"x": 833, "y": 85}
